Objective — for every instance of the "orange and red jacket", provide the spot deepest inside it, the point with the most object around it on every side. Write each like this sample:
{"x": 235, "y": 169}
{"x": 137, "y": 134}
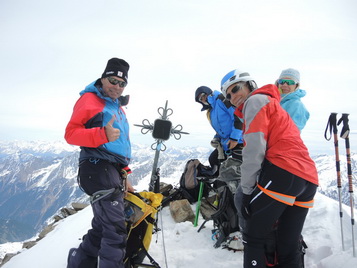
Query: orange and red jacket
{"x": 270, "y": 133}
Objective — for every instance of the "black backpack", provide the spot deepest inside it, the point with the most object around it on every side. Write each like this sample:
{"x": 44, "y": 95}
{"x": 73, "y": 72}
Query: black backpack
{"x": 221, "y": 209}
{"x": 223, "y": 213}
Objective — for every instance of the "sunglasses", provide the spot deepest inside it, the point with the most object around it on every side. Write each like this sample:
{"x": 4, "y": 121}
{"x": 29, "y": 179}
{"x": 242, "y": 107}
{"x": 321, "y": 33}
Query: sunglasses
{"x": 114, "y": 82}
{"x": 233, "y": 91}
{"x": 288, "y": 81}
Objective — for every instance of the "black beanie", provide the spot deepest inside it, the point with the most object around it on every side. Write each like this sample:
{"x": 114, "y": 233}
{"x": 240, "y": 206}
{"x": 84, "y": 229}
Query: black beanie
{"x": 117, "y": 67}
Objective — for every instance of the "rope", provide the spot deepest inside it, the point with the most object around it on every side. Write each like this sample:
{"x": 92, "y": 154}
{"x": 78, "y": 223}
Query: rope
{"x": 163, "y": 238}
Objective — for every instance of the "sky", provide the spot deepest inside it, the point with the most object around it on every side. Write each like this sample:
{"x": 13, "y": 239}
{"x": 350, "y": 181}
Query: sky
{"x": 50, "y": 50}
{"x": 185, "y": 247}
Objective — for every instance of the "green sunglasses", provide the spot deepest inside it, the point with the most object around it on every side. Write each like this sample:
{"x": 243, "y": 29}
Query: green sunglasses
{"x": 288, "y": 81}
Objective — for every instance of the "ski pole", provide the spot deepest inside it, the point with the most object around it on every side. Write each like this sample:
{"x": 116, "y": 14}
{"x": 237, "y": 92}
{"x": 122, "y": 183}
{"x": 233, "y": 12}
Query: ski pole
{"x": 345, "y": 135}
{"x": 198, "y": 203}
{"x": 332, "y": 126}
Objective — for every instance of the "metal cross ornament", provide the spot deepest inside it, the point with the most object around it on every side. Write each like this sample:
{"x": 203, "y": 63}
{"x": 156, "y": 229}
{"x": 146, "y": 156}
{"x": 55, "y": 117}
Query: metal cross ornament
{"x": 161, "y": 131}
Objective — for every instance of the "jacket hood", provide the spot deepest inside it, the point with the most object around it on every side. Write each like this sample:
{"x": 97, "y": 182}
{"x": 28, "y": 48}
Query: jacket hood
{"x": 93, "y": 87}
{"x": 297, "y": 94}
{"x": 270, "y": 90}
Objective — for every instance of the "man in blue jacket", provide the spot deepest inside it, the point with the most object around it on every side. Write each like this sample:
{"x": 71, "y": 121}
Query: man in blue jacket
{"x": 227, "y": 126}
{"x": 100, "y": 127}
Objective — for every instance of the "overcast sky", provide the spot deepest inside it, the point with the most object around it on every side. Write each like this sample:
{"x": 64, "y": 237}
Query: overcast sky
{"x": 50, "y": 50}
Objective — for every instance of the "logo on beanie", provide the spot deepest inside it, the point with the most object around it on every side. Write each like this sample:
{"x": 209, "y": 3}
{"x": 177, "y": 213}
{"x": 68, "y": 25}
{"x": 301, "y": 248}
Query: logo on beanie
{"x": 111, "y": 72}
{"x": 120, "y": 74}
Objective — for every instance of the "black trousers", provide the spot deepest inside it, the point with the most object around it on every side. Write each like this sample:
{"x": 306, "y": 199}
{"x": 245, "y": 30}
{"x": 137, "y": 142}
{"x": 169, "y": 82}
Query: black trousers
{"x": 266, "y": 212}
{"x": 107, "y": 237}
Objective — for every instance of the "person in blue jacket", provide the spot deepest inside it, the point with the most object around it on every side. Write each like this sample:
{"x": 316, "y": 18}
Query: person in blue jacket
{"x": 288, "y": 84}
{"x": 227, "y": 126}
{"x": 99, "y": 126}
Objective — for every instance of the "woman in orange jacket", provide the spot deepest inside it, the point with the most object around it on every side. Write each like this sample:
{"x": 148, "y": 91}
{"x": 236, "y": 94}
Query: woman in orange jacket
{"x": 279, "y": 179}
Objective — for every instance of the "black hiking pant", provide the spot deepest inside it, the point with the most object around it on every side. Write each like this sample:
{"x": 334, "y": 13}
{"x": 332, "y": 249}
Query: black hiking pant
{"x": 105, "y": 242}
{"x": 214, "y": 161}
{"x": 266, "y": 212}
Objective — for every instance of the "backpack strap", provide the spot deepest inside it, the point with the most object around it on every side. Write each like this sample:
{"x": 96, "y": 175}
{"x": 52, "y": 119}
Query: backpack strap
{"x": 151, "y": 259}
{"x": 101, "y": 194}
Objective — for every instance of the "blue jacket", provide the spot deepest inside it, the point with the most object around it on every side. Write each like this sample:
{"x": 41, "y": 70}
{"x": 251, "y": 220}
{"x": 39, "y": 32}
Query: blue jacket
{"x": 223, "y": 120}
{"x": 91, "y": 113}
{"x": 296, "y": 109}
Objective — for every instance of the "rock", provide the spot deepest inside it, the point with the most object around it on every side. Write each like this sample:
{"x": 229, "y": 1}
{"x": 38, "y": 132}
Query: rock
{"x": 67, "y": 212}
{"x": 28, "y": 244}
{"x": 57, "y": 218}
{"x": 165, "y": 188}
{"x": 79, "y": 206}
{"x": 45, "y": 231}
{"x": 181, "y": 211}
{"x": 7, "y": 257}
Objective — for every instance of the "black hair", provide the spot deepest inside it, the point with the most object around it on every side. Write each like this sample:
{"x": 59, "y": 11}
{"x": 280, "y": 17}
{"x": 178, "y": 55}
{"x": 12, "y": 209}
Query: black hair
{"x": 252, "y": 85}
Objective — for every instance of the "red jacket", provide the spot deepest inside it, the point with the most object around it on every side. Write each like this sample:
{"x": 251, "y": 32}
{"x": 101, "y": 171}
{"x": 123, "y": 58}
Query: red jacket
{"x": 91, "y": 113}
{"x": 269, "y": 132}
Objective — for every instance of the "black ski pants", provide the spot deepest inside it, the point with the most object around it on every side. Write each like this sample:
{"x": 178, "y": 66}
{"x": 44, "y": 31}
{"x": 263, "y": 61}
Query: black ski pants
{"x": 214, "y": 161}
{"x": 266, "y": 212}
{"x": 107, "y": 238}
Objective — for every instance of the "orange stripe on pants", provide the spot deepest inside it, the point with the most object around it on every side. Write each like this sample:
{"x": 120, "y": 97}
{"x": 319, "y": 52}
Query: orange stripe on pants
{"x": 286, "y": 199}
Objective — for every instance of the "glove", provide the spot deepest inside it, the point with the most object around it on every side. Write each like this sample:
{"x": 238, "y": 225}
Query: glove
{"x": 215, "y": 143}
{"x": 245, "y": 209}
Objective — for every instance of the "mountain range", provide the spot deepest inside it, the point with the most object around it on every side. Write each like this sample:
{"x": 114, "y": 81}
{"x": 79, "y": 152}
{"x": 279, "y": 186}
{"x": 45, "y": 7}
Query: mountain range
{"x": 38, "y": 178}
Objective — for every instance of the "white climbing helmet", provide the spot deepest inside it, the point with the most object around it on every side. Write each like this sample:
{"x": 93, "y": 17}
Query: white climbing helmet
{"x": 233, "y": 77}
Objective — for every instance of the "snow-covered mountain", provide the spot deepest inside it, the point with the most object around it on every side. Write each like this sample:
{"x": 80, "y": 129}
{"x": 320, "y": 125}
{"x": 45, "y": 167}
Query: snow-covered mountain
{"x": 36, "y": 179}
{"x": 39, "y": 178}
{"x": 326, "y": 166}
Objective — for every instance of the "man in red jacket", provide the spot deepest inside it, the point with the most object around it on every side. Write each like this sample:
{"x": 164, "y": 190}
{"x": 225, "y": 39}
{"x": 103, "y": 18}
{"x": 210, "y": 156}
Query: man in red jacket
{"x": 279, "y": 179}
{"x": 99, "y": 125}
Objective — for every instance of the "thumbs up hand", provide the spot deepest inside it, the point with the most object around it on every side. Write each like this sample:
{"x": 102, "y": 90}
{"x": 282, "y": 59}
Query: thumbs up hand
{"x": 111, "y": 132}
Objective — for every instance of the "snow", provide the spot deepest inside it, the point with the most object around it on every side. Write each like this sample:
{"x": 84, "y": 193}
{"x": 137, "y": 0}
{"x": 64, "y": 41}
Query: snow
{"x": 185, "y": 247}
{"x": 44, "y": 174}
{"x": 9, "y": 247}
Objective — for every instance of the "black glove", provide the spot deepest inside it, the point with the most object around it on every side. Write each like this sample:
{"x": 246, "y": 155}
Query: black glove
{"x": 245, "y": 210}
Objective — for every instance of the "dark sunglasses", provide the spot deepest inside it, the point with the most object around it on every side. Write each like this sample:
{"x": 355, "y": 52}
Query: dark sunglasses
{"x": 233, "y": 91}
{"x": 288, "y": 81}
{"x": 114, "y": 82}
